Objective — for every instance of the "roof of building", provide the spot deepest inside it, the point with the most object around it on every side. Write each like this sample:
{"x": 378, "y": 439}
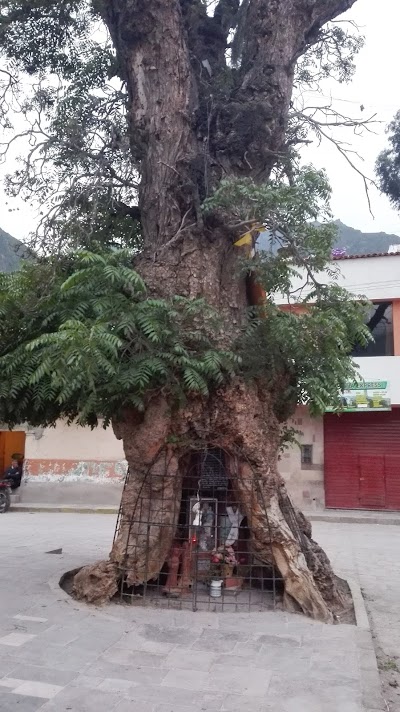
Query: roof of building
{"x": 335, "y": 258}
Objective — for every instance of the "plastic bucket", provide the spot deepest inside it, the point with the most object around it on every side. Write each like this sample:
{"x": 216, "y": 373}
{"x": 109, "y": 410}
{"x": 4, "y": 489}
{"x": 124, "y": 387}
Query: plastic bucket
{"x": 215, "y": 588}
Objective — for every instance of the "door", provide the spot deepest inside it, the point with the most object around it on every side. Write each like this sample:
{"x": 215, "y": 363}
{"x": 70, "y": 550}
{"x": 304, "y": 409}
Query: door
{"x": 362, "y": 460}
{"x": 11, "y": 442}
{"x": 372, "y": 491}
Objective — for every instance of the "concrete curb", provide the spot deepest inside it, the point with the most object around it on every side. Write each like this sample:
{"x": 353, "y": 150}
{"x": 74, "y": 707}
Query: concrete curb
{"x": 360, "y": 611}
{"x": 66, "y": 509}
{"x": 352, "y": 518}
{"x": 356, "y": 518}
{"x": 372, "y": 699}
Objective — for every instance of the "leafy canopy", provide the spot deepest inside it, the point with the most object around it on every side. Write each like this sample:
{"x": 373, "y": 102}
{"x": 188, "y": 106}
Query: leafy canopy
{"x": 80, "y": 339}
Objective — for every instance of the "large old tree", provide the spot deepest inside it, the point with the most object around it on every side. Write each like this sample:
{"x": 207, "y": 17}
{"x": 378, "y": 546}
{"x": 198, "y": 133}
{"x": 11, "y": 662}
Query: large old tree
{"x": 168, "y": 128}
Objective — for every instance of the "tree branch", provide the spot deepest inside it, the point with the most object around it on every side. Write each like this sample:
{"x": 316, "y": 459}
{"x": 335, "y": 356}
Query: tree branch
{"x": 324, "y": 11}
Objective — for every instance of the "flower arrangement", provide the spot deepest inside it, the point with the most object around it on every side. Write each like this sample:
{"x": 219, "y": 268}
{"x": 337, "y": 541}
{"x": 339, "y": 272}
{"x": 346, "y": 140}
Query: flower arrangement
{"x": 224, "y": 555}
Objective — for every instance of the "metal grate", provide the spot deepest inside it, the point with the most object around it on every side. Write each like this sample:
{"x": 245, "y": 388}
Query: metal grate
{"x": 191, "y": 546}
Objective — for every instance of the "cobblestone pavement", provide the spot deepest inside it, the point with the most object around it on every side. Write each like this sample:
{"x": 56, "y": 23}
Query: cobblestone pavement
{"x": 57, "y": 655}
{"x": 371, "y": 553}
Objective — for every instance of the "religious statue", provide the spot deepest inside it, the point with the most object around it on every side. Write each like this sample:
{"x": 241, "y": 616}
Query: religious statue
{"x": 235, "y": 517}
{"x": 207, "y": 524}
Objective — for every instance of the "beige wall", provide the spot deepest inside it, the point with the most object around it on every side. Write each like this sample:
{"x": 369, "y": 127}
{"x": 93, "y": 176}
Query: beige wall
{"x": 79, "y": 457}
{"x": 73, "y": 454}
{"x": 73, "y": 443}
{"x": 305, "y": 483}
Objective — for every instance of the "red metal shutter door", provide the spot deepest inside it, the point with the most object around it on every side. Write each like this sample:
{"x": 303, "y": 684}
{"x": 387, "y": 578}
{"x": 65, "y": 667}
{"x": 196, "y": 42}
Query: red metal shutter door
{"x": 372, "y": 481}
{"x": 362, "y": 445}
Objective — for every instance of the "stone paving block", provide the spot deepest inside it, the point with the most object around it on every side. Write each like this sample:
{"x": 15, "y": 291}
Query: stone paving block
{"x": 245, "y": 681}
{"x": 210, "y": 701}
{"x": 176, "y": 636}
{"x": 61, "y": 634}
{"x": 86, "y": 681}
{"x": 239, "y": 703}
{"x": 40, "y": 673}
{"x": 10, "y": 682}
{"x": 38, "y": 689}
{"x": 312, "y": 703}
{"x": 187, "y": 679}
{"x": 134, "y": 705}
{"x": 113, "y": 684}
{"x": 202, "y": 619}
{"x": 219, "y": 641}
{"x": 334, "y": 670}
{"x": 121, "y": 656}
{"x": 169, "y": 708}
{"x": 247, "y": 648}
{"x": 280, "y": 641}
{"x": 293, "y": 684}
{"x": 8, "y": 665}
{"x": 133, "y": 641}
{"x": 138, "y": 675}
{"x": 70, "y": 657}
{"x": 179, "y": 658}
{"x": 15, "y": 640}
{"x": 78, "y": 700}
{"x": 20, "y": 703}
{"x": 280, "y": 660}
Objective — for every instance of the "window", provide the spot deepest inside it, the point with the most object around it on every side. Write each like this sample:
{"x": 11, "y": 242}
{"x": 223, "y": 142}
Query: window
{"x": 380, "y": 324}
{"x": 306, "y": 455}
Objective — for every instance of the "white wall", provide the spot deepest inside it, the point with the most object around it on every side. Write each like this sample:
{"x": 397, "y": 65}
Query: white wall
{"x": 377, "y": 278}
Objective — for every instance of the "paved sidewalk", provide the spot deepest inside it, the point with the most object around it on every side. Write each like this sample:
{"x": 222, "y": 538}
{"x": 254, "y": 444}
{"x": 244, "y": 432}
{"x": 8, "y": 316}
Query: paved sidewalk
{"x": 58, "y": 655}
{"x": 371, "y": 554}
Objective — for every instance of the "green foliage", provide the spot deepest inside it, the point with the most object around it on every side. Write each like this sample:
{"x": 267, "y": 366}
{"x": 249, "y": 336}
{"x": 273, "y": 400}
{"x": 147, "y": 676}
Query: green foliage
{"x": 287, "y": 213}
{"x": 332, "y": 56}
{"x": 80, "y": 340}
{"x": 306, "y": 348}
{"x": 43, "y": 34}
{"x": 388, "y": 164}
{"x": 305, "y": 352}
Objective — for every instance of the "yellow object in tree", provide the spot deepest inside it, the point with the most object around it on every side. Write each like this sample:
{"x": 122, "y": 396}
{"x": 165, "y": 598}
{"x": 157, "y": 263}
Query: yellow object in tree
{"x": 246, "y": 239}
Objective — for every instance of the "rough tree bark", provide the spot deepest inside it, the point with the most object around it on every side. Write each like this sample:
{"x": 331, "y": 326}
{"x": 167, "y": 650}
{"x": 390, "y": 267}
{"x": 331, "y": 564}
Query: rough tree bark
{"x": 186, "y": 137}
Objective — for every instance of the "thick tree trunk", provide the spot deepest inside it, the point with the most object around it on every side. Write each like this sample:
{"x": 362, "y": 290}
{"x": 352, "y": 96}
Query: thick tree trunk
{"x": 186, "y": 136}
{"x": 240, "y": 420}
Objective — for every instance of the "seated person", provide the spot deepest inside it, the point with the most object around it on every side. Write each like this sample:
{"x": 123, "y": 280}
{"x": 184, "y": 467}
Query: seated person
{"x": 14, "y": 474}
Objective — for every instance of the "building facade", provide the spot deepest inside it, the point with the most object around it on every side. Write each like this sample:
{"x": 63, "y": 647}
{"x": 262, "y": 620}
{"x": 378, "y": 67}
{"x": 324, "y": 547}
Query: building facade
{"x": 352, "y": 460}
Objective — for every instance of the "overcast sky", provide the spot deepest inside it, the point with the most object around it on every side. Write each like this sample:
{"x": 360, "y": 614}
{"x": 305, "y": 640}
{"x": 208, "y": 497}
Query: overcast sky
{"x": 375, "y": 86}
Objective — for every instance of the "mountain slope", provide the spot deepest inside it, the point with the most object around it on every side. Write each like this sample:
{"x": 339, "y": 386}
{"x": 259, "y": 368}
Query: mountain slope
{"x": 11, "y": 252}
{"x": 363, "y": 243}
{"x": 353, "y": 241}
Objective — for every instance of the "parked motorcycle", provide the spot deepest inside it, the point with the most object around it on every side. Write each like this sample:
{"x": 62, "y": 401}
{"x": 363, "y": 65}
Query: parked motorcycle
{"x": 5, "y": 495}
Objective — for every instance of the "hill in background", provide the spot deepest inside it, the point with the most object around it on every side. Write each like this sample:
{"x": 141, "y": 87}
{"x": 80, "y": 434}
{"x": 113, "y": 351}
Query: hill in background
{"x": 353, "y": 241}
{"x": 11, "y": 252}
{"x": 356, "y": 242}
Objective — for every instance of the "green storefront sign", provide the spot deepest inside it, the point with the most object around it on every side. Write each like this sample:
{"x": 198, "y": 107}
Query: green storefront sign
{"x": 365, "y": 396}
